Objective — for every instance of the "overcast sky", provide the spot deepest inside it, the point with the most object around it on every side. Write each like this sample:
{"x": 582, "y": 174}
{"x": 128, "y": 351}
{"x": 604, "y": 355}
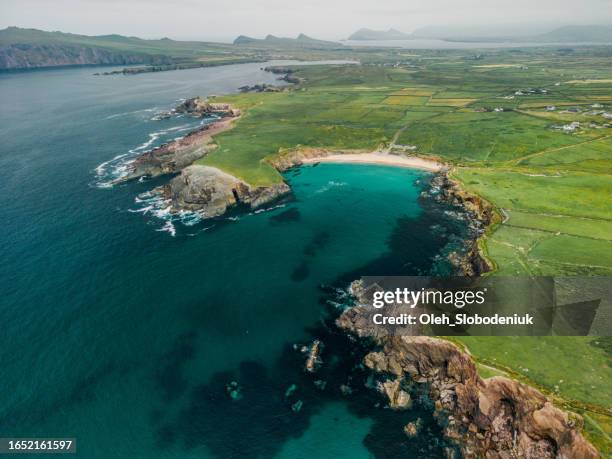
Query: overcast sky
{"x": 330, "y": 19}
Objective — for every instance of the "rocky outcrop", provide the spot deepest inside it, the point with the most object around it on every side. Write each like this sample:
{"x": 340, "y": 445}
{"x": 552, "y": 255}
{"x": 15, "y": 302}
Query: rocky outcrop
{"x": 174, "y": 156}
{"x": 260, "y": 88}
{"x": 482, "y": 215}
{"x": 494, "y": 418}
{"x": 198, "y": 107}
{"x": 211, "y": 192}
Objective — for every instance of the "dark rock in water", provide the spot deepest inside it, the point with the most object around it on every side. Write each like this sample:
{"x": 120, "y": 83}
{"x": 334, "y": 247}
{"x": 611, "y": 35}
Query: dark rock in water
{"x": 211, "y": 192}
{"x": 297, "y": 406}
{"x": 233, "y": 390}
{"x": 320, "y": 384}
{"x": 314, "y": 356}
{"x": 290, "y": 390}
{"x": 345, "y": 389}
{"x": 412, "y": 428}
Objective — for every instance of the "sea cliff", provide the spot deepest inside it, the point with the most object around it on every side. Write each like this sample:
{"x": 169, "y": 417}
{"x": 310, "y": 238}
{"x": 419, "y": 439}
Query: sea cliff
{"x": 493, "y": 418}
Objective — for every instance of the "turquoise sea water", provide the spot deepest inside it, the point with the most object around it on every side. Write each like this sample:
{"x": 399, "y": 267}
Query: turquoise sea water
{"x": 123, "y": 335}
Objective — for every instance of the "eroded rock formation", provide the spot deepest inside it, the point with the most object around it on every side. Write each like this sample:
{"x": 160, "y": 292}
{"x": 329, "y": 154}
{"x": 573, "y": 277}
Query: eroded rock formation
{"x": 494, "y": 418}
{"x": 211, "y": 192}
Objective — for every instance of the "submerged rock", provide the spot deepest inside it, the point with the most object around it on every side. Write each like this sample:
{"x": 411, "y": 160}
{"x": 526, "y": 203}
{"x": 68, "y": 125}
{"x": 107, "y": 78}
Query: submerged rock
{"x": 233, "y": 390}
{"x": 211, "y": 192}
{"x": 290, "y": 390}
{"x": 297, "y": 406}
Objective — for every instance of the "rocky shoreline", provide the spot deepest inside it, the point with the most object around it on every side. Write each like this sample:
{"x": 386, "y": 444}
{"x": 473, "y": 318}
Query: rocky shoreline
{"x": 204, "y": 190}
{"x": 493, "y": 418}
{"x": 482, "y": 216}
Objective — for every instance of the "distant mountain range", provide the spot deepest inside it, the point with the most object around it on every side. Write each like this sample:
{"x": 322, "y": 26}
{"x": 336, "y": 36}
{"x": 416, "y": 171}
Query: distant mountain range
{"x": 302, "y": 41}
{"x": 32, "y": 48}
{"x": 566, "y": 34}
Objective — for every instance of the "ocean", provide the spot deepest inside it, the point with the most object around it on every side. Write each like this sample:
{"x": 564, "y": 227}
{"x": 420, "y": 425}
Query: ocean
{"x": 128, "y": 329}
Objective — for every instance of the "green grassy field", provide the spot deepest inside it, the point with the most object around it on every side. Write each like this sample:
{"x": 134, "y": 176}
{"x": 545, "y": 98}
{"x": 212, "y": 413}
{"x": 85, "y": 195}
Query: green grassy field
{"x": 551, "y": 188}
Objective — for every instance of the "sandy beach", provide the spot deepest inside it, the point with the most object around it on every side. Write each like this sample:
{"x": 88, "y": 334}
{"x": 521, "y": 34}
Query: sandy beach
{"x": 379, "y": 158}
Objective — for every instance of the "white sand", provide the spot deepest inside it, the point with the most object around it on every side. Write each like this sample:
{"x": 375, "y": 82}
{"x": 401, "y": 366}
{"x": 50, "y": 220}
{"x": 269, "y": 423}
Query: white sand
{"x": 379, "y": 158}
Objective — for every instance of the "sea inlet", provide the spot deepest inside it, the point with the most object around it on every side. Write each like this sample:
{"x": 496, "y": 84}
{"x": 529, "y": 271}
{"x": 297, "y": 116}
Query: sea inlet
{"x": 145, "y": 337}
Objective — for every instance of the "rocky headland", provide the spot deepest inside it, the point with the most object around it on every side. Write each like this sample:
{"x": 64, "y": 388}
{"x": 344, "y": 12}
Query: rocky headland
{"x": 493, "y": 418}
{"x": 174, "y": 156}
{"x": 205, "y": 190}
{"x": 211, "y": 192}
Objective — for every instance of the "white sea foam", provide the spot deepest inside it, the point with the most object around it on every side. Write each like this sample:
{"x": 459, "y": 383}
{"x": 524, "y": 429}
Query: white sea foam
{"x": 109, "y": 172}
{"x": 151, "y": 203}
{"x": 331, "y": 184}
{"x": 134, "y": 112}
{"x": 169, "y": 228}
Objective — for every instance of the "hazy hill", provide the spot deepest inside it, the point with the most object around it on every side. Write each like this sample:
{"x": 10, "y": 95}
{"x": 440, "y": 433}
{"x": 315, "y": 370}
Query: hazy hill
{"x": 497, "y": 33}
{"x": 301, "y": 41}
{"x": 585, "y": 33}
{"x": 369, "y": 34}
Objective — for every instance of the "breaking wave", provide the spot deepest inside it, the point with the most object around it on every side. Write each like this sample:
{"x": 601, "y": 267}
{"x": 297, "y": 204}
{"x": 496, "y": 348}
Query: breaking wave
{"x": 109, "y": 172}
{"x": 153, "y": 204}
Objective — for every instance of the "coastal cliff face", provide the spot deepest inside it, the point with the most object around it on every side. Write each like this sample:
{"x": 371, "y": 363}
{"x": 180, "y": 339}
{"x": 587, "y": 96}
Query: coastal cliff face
{"x": 26, "y": 56}
{"x": 173, "y": 156}
{"x": 494, "y": 418}
{"x": 211, "y": 192}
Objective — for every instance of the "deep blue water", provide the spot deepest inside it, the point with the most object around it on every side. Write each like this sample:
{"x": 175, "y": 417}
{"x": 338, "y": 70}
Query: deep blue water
{"x": 124, "y": 336}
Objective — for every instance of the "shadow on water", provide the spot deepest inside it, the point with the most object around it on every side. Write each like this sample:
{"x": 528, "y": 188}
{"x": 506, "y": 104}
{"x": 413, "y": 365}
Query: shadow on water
{"x": 317, "y": 243}
{"x": 170, "y": 373}
{"x": 288, "y": 216}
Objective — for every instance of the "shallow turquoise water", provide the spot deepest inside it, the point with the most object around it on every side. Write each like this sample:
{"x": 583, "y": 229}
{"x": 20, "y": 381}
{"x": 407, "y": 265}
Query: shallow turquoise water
{"x": 124, "y": 336}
